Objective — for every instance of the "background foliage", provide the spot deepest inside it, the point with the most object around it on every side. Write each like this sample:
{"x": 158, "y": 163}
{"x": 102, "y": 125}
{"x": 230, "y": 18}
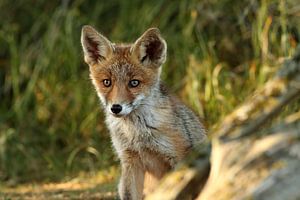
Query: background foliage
{"x": 51, "y": 124}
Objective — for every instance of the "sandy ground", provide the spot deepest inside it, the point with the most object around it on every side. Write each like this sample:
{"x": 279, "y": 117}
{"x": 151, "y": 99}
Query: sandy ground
{"x": 100, "y": 186}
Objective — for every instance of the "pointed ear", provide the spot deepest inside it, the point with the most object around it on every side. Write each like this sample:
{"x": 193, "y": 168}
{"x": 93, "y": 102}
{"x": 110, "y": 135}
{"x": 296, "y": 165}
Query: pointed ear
{"x": 150, "y": 48}
{"x": 96, "y": 47}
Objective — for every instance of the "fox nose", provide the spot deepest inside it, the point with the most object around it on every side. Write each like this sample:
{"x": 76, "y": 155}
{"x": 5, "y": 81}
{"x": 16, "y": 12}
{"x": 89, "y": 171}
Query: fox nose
{"x": 116, "y": 108}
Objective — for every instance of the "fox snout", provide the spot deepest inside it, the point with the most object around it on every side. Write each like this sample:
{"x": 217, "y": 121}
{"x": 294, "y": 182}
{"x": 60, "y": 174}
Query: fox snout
{"x": 116, "y": 108}
{"x": 125, "y": 108}
{"x": 120, "y": 110}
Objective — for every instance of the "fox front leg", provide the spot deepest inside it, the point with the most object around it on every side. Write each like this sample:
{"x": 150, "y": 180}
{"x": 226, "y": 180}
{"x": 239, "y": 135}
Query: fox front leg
{"x": 132, "y": 178}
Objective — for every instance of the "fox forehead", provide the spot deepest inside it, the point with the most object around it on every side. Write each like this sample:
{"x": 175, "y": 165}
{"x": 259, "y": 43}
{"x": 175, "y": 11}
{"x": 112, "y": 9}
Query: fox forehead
{"x": 122, "y": 66}
{"x": 122, "y": 50}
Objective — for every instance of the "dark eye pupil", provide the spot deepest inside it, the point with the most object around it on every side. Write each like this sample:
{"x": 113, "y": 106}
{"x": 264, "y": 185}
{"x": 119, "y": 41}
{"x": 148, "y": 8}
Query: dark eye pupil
{"x": 134, "y": 83}
{"x": 106, "y": 82}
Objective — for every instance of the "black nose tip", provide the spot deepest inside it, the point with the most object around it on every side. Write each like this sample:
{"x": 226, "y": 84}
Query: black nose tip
{"x": 116, "y": 108}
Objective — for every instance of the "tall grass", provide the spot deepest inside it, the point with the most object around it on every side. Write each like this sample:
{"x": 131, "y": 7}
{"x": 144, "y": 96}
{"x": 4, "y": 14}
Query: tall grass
{"x": 51, "y": 124}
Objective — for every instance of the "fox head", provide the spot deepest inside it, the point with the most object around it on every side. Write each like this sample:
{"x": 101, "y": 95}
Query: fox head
{"x": 123, "y": 75}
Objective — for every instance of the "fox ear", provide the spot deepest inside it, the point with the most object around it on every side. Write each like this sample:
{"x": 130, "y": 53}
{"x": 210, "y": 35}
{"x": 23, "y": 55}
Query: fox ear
{"x": 150, "y": 48}
{"x": 96, "y": 47}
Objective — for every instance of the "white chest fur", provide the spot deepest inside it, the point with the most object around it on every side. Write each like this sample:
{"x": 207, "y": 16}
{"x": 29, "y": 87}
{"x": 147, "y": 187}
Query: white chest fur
{"x": 140, "y": 131}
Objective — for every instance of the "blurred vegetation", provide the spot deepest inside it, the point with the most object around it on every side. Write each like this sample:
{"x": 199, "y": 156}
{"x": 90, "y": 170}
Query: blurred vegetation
{"x": 51, "y": 124}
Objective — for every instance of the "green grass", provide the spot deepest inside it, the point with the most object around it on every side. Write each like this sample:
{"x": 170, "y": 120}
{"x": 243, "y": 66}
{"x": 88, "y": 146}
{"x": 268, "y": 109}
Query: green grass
{"x": 51, "y": 124}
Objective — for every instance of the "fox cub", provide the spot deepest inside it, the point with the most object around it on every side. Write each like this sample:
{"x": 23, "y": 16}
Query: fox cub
{"x": 150, "y": 129}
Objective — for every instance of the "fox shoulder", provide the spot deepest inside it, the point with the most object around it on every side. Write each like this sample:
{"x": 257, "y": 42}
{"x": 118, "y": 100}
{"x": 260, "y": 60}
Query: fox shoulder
{"x": 188, "y": 122}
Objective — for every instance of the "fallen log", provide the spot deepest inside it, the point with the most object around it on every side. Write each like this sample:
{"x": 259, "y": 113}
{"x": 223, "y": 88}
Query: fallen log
{"x": 256, "y": 168}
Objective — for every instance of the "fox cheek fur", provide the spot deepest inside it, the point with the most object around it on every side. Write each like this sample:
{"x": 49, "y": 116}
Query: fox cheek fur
{"x": 150, "y": 129}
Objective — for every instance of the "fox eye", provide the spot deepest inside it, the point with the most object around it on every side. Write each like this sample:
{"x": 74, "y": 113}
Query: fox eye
{"x": 134, "y": 83}
{"x": 106, "y": 82}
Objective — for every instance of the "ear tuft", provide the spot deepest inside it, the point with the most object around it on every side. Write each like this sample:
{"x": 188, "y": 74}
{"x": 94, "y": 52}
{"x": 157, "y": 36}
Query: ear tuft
{"x": 96, "y": 47}
{"x": 150, "y": 48}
